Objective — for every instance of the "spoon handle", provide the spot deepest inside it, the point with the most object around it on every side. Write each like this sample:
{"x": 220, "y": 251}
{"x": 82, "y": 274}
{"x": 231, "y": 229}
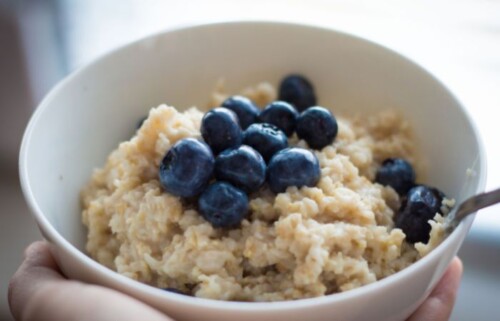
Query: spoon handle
{"x": 476, "y": 203}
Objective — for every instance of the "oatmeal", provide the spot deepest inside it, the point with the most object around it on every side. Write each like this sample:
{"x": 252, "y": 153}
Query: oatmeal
{"x": 304, "y": 242}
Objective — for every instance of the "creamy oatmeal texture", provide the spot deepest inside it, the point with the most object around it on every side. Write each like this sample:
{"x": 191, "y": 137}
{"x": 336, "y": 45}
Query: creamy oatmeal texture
{"x": 306, "y": 242}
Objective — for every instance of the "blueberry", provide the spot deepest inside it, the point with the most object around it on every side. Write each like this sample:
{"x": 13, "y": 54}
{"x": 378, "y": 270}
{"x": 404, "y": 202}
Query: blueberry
{"x": 243, "y": 167}
{"x": 420, "y": 206}
{"x": 244, "y": 108}
{"x": 317, "y": 126}
{"x": 221, "y": 130}
{"x": 293, "y": 167}
{"x": 267, "y": 139}
{"x": 397, "y": 173}
{"x": 438, "y": 193}
{"x": 280, "y": 114}
{"x": 298, "y": 91}
{"x": 186, "y": 168}
{"x": 223, "y": 205}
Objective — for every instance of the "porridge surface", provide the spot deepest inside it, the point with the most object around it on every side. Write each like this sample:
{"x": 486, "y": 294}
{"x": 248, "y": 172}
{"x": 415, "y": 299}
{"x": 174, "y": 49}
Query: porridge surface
{"x": 305, "y": 242}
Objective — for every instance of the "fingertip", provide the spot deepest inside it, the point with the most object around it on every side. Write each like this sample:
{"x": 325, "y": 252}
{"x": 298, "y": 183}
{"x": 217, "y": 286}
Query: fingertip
{"x": 439, "y": 304}
{"x": 457, "y": 265}
{"x": 38, "y": 254}
{"x": 35, "y": 247}
{"x": 38, "y": 269}
{"x": 448, "y": 285}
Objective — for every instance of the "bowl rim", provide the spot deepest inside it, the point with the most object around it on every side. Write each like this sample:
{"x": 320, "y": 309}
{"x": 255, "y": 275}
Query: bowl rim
{"x": 132, "y": 287}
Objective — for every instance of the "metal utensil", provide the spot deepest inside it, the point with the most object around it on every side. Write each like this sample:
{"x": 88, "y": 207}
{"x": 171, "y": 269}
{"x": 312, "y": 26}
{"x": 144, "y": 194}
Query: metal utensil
{"x": 469, "y": 206}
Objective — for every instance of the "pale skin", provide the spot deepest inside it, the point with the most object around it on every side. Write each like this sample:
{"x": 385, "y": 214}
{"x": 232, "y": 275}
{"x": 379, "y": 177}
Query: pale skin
{"x": 38, "y": 291}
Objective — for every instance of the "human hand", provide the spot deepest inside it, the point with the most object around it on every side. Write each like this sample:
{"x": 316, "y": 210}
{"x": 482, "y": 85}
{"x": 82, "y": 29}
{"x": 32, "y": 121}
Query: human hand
{"x": 38, "y": 291}
{"x": 439, "y": 304}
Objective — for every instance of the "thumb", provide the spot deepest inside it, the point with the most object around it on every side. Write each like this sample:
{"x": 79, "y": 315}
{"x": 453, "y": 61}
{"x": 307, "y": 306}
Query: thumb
{"x": 439, "y": 304}
{"x": 38, "y": 265}
{"x": 38, "y": 292}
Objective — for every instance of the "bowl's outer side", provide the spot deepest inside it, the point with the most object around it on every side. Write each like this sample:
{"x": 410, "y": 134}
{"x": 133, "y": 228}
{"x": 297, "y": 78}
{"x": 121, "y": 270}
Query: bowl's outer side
{"x": 395, "y": 301}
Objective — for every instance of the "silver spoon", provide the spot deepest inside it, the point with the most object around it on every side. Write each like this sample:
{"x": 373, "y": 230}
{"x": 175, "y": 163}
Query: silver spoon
{"x": 469, "y": 206}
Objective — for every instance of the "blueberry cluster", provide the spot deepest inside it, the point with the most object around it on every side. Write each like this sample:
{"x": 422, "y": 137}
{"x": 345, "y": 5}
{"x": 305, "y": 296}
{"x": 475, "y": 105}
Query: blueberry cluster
{"x": 244, "y": 147}
{"x": 419, "y": 202}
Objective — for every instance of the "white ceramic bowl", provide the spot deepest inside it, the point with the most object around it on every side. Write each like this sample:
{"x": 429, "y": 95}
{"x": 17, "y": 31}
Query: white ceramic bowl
{"x": 85, "y": 117}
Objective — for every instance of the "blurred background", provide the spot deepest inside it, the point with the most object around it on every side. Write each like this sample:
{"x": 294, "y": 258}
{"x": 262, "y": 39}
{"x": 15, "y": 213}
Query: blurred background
{"x": 41, "y": 41}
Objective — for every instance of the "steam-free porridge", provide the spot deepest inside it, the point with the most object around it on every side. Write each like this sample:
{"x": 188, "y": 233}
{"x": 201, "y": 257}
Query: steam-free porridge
{"x": 306, "y": 242}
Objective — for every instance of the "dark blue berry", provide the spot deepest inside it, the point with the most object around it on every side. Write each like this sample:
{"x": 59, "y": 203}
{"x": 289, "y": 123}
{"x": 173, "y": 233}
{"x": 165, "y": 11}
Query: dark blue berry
{"x": 298, "y": 91}
{"x": 293, "y": 167}
{"x": 421, "y": 205}
{"x": 223, "y": 205}
{"x": 267, "y": 139}
{"x": 439, "y": 194}
{"x": 317, "y": 126}
{"x": 280, "y": 114}
{"x": 397, "y": 173}
{"x": 187, "y": 168}
{"x": 221, "y": 130}
{"x": 243, "y": 167}
{"x": 244, "y": 108}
